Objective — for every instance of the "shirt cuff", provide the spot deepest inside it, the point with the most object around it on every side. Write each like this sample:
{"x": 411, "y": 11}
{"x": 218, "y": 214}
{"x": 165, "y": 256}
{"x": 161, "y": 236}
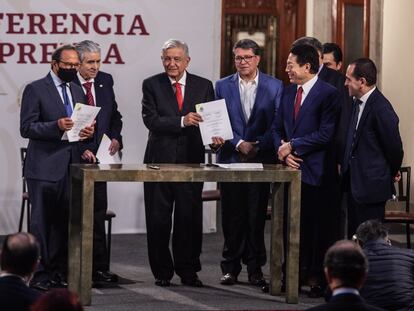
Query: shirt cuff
{"x": 182, "y": 122}
{"x": 238, "y": 144}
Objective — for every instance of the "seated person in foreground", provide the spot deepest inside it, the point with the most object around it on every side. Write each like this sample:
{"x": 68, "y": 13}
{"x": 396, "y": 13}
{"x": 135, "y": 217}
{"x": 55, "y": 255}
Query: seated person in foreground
{"x": 390, "y": 280}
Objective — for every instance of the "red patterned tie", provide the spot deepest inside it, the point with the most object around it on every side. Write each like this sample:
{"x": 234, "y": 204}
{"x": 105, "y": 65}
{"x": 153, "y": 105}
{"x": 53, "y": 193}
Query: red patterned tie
{"x": 298, "y": 100}
{"x": 179, "y": 95}
{"x": 89, "y": 95}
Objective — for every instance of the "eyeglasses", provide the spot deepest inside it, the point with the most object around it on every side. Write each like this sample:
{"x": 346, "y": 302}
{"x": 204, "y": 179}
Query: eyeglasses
{"x": 170, "y": 59}
{"x": 70, "y": 65}
{"x": 247, "y": 58}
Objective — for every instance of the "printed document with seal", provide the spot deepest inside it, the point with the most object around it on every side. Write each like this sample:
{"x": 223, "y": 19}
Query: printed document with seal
{"x": 216, "y": 121}
{"x": 82, "y": 116}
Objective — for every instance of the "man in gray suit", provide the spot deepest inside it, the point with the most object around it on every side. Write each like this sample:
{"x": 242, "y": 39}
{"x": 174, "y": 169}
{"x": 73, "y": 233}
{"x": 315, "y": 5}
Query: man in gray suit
{"x": 47, "y": 105}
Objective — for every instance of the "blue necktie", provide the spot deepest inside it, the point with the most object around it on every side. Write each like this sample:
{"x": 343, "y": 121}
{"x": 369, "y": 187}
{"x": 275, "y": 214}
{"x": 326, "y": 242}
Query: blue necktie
{"x": 351, "y": 135}
{"x": 66, "y": 101}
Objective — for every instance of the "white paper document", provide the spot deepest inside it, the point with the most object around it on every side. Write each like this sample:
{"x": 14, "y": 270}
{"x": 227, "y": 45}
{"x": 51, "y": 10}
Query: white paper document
{"x": 241, "y": 166}
{"x": 216, "y": 121}
{"x": 103, "y": 152}
{"x": 82, "y": 116}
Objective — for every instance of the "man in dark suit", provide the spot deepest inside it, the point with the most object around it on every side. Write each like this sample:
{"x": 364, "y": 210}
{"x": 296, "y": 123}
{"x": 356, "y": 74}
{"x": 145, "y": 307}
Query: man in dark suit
{"x": 304, "y": 127}
{"x": 345, "y": 269}
{"x": 373, "y": 149}
{"x": 47, "y": 105}
{"x": 19, "y": 258}
{"x": 252, "y": 98}
{"x": 98, "y": 88}
{"x": 174, "y": 137}
{"x": 332, "y": 56}
{"x": 334, "y": 209}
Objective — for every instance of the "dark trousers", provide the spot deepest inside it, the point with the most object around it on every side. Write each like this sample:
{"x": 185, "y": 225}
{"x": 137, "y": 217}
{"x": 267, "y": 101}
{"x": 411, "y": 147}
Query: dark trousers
{"x": 49, "y": 224}
{"x": 314, "y": 234}
{"x": 161, "y": 200}
{"x": 100, "y": 256}
{"x": 243, "y": 207}
{"x": 360, "y": 212}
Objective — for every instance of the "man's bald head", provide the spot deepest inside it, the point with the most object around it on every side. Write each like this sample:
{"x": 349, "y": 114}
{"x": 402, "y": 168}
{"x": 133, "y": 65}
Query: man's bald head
{"x": 19, "y": 254}
{"x": 346, "y": 262}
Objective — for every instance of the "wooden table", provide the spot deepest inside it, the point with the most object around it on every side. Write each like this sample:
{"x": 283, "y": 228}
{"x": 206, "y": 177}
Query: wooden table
{"x": 83, "y": 177}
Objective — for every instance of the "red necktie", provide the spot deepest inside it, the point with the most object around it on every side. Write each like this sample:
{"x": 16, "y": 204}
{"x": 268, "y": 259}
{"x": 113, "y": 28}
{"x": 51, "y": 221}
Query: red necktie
{"x": 298, "y": 100}
{"x": 179, "y": 95}
{"x": 89, "y": 95}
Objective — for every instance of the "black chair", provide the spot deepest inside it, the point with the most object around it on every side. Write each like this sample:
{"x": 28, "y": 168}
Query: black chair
{"x": 25, "y": 195}
{"x": 26, "y": 206}
{"x": 393, "y": 212}
{"x": 210, "y": 195}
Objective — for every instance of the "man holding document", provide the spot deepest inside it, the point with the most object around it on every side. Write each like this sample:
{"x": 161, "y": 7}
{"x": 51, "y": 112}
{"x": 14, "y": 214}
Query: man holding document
{"x": 45, "y": 115}
{"x": 252, "y": 98}
{"x": 169, "y": 113}
{"x": 98, "y": 88}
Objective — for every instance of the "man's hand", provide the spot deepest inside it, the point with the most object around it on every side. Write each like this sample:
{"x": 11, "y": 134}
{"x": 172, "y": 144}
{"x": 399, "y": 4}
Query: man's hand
{"x": 192, "y": 119}
{"x": 247, "y": 150}
{"x": 114, "y": 146}
{"x": 217, "y": 142}
{"x": 397, "y": 177}
{"x": 87, "y": 132}
{"x": 284, "y": 150}
{"x": 65, "y": 124}
{"x": 89, "y": 156}
{"x": 293, "y": 162}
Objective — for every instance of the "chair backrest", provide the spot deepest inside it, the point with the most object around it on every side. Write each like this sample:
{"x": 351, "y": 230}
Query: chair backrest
{"x": 403, "y": 187}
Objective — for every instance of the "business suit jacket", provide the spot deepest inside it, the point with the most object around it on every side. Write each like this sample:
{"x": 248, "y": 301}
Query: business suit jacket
{"x": 312, "y": 131}
{"x": 48, "y": 157}
{"x": 167, "y": 141}
{"x": 15, "y": 295}
{"x": 109, "y": 119}
{"x": 258, "y": 127}
{"x": 377, "y": 151}
{"x": 345, "y": 302}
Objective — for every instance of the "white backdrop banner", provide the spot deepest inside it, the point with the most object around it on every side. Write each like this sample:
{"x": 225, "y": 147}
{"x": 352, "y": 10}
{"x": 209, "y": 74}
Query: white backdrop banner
{"x": 131, "y": 34}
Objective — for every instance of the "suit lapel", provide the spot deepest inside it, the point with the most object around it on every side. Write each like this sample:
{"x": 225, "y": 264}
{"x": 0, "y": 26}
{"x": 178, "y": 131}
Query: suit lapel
{"x": 365, "y": 113}
{"x": 189, "y": 95}
{"x": 235, "y": 96}
{"x": 260, "y": 93}
{"x": 169, "y": 95}
{"x": 310, "y": 98}
{"x": 54, "y": 94}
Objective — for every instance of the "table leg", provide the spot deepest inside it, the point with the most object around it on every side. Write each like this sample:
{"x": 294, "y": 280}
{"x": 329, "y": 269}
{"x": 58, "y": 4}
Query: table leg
{"x": 81, "y": 239}
{"x": 276, "y": 239}
{"x": 293, "y": 233}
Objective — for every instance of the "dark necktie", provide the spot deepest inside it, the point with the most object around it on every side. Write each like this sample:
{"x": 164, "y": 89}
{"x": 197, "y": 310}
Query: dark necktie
{"x": 179, "y": 95}
{"x": 352, "y": 130}
{"x": 298, "y": 101}
{"x": 66, "y": 101}
{"x": 89, "y": 95}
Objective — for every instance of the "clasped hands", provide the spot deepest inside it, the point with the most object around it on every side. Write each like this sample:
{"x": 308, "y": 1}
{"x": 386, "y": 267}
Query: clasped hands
{"x": 247, "y": 150}
{"x": 66, "y": 124}
{"x": 284, "y": 154}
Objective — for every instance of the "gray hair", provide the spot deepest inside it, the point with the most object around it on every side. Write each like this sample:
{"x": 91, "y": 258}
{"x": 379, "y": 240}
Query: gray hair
{"x": 174, "y": 43}
{"x": 87, "y": 46}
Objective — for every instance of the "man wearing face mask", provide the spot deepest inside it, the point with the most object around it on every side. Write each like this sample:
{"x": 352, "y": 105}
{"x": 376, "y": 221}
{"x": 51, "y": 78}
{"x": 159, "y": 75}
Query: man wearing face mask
{"x": 47, "y": 105}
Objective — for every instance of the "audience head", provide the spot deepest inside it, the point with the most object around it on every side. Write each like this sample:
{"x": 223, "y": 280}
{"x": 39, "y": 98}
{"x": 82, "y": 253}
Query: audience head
{"x": 332, "y": 56}
{"x": 246, "y": 58}
{"x": 20, "y": 254}
{"x": 90, "y": 58}
{"x": 65, "y": 62}
{"x": 345, "y": 265}
{"x": 302, "y": 64}
{"x": 371, "y": 230}
{"x": 313, "y": 42}
{"x": 58, "y": 300}
{"x": 361, "y": 77}
{"x": 175, "y": 58}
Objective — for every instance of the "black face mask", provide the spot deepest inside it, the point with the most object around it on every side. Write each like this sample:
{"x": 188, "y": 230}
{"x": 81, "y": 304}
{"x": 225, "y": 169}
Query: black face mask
{"x": 67, "y": 75}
